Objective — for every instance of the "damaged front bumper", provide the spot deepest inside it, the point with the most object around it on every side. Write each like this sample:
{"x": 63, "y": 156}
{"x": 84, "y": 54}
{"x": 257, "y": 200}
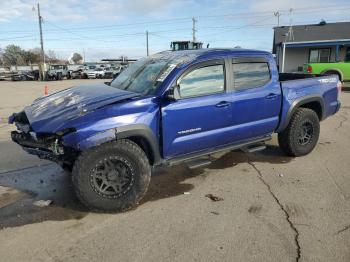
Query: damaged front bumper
{"x": 45, "y": 148}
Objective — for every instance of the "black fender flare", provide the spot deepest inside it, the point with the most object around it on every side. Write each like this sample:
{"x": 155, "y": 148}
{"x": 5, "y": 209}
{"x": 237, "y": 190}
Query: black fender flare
{"x": 299, "y": 103}
{"x": 124, "y": 132}
{"x": 142, "y": 131}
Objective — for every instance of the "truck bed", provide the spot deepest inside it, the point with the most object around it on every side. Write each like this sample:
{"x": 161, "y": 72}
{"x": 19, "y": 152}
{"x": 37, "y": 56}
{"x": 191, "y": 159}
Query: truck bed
{"x": 295, "y": 76}
{"x": 301, "y": 87}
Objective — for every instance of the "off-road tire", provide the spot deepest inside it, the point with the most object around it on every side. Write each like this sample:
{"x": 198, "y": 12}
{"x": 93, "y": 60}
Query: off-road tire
{"x": 289, "y": 139}
{"x": 120, "y": 150}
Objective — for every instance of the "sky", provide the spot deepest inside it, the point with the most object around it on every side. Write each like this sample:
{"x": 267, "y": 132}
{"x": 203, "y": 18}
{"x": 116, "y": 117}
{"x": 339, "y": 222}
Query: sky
{"x": 101, "y": 29}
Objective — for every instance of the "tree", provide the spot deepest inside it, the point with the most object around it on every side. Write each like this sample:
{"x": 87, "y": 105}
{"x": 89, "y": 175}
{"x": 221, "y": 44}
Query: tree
{"x": 13, "y": 55}
{"x": 77, "y": 58}
{"x": 52, "y": 57}
{"x": 30, "y": 57}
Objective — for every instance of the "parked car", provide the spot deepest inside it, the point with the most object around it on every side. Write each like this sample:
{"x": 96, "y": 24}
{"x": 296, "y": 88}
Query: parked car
{"x": 108, "y": 73}
{"x": 57, "y": 72}
{"x": 170, "y": 108}
{"x": 116, "y": 71}
{"x": 97, "y": 73}
{"x": 341, "y": 69}
{"x": 6, "y": 74}
{"x": 75, "y": 72}
{"x": 25, "y": 75}
{"x": 89, "y": 68}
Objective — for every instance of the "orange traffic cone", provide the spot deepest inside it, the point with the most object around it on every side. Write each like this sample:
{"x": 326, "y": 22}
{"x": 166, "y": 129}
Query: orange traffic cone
{"x": 46, "y": 91}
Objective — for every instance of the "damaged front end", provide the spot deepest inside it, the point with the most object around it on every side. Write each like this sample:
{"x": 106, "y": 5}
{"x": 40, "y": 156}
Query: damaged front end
{"x": 44, "y": 145}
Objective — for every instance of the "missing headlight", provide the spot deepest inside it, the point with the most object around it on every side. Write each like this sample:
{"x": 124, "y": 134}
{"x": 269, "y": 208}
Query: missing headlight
{"x": 65, "y": 131}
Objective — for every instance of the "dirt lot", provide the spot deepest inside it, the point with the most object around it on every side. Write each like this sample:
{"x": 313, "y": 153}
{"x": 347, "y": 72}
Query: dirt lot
{"x": 274, "y": 208}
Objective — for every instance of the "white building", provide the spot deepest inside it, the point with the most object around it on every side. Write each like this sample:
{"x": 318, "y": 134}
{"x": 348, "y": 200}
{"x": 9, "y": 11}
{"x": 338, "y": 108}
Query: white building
{"x": 294, "y": 46}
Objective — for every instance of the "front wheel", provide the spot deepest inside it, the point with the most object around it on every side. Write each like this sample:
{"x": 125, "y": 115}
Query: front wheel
{"x": 302, "y": 133}
{"x": 112, "y": 177}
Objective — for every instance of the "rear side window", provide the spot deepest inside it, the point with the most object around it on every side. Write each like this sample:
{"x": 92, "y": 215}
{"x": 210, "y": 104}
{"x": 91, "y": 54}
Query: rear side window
{"x": 203, "y": 81}
{"x": 250, "y": 75}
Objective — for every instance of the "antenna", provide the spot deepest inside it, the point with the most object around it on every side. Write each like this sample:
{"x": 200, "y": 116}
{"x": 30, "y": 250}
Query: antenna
{"x": 277, "y": 14}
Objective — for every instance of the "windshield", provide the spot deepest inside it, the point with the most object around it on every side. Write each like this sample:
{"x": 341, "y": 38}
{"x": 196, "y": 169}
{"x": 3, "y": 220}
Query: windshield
{"x": 56, "y": 67}
{"x": 141, "y": 76}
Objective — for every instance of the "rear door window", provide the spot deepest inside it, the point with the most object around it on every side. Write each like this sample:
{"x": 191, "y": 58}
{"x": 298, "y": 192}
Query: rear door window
{"x": 248, "y": 75}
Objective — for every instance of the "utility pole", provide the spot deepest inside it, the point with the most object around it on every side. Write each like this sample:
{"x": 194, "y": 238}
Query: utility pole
{"x": 194, "y": 30}
{"x": 147, "y": 43}
{"x": 277, "y": 14}
{"x": 290, "y": 31}
{"x": 41, "y": 43}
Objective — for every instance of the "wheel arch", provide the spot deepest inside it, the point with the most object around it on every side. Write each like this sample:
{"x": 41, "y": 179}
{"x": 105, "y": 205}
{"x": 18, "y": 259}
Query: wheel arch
{"x": 140, "y": 134}
{"x": 332, "y": 71}
{"x": 313, "y": 102}
{"x": 143, "y": 136}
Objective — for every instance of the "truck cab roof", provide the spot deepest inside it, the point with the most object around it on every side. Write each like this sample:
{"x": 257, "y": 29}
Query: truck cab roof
{"x": 185, "y": 57}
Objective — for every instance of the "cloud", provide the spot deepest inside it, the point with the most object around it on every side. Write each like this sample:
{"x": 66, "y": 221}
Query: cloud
{"x": 269, "y": 5}
{"x": 64, "y": 10}
{"x": 156, "y": 7}
{"x": 12, "y": 9}
{"x": 80, "y": 11}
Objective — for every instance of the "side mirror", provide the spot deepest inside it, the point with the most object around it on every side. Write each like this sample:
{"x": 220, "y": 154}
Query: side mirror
{"x": 107, "y": 83}
{"x": 170, "y": 94}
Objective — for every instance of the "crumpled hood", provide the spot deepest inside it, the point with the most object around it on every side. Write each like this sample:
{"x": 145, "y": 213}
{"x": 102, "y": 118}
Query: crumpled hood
{"x": 71, "y": 103}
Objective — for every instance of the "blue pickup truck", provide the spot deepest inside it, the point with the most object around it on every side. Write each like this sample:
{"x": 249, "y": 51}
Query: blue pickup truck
{"x": 169, "y": 108}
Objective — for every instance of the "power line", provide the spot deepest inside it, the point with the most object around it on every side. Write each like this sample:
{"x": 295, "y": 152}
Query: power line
{"x": 18, "y": 37}
{"x": 240, "y": 27}
{"x": 67, "y": 30}
{"x": 237, "y": 15}
{"x": 97, "y": 38}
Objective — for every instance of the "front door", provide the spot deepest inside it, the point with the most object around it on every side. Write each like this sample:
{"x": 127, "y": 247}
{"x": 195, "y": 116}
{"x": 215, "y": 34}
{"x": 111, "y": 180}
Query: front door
{"x": 201, "y": 112}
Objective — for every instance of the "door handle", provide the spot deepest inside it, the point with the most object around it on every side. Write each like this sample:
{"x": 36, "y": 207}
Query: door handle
{"x": 223, "y": 104}
{"x": 271, "y": 96}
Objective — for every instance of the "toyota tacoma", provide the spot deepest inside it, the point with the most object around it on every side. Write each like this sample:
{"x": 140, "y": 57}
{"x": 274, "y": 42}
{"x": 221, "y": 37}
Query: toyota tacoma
{"x": 169, "y": 108}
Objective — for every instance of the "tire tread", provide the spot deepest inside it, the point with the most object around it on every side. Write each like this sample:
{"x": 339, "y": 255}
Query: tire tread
{"x": 125, "y": 144}
{"x": 285, "y": 138}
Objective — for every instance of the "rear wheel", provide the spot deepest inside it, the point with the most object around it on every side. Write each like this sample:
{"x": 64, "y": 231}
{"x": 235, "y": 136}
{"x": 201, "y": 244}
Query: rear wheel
{"x": 302, "y": 133}
{"x": 112, "y": 177}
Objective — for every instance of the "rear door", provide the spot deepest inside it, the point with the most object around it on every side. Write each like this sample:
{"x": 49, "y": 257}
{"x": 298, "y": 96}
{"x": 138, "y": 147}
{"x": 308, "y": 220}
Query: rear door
{"x": 255, "y": 98}
{"x": 198, "y": 118}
